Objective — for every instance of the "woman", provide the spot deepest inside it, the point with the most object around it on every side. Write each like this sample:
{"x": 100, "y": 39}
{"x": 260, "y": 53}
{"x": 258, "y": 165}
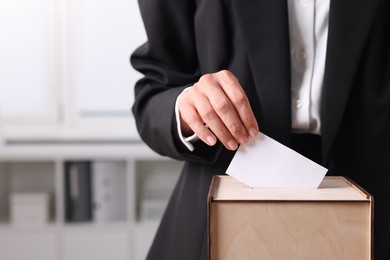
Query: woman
{"x": 314, "y": 75}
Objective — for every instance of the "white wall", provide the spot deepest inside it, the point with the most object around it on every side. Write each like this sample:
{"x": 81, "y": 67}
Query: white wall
{"x": 62, "y": 59}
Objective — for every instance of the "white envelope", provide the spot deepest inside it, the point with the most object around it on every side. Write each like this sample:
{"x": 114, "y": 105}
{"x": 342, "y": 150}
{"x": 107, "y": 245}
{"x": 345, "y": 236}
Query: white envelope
{"x": 266, "y": 163}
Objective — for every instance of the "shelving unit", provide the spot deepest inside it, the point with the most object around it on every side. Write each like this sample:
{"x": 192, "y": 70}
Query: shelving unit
{"x": 77, "y": 95}
{"x": 34, "y": 167}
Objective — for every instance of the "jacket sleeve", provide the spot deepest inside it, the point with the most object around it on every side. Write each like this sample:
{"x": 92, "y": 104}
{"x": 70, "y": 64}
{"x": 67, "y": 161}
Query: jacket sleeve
{"x": 169, "y": 64}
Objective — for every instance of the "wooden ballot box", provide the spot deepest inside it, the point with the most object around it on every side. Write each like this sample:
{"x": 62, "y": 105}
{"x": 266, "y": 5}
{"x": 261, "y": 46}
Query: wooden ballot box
{"x": 334, "y": 221}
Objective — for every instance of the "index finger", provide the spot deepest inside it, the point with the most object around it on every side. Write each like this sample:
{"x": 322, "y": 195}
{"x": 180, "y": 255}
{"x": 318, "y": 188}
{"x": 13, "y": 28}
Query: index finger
{"x": 234, "y": 91}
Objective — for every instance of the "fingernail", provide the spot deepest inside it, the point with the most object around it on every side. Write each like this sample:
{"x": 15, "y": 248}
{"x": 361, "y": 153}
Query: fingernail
{"x": 211, "y": 140}
{"x": 253, "y": 132}
{"x": 232, "y": 145}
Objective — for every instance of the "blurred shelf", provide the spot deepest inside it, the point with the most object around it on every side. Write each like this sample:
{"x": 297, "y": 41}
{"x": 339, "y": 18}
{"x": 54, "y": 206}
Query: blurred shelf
{"x": 7, "y": 227}
{"x": 33, "y": 159}
{"x": 30, "y": 152}
{"x": 92, "y": 226}
{"x": 103, "y": 129}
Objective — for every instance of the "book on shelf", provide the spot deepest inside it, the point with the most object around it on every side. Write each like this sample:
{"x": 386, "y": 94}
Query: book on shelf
{"x": 78, "y": 192}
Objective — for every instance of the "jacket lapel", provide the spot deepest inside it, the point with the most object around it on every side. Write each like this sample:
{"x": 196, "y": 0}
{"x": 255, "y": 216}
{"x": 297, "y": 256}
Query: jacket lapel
{"x": 349, "y": 24}
{"x": 264, "y": 28}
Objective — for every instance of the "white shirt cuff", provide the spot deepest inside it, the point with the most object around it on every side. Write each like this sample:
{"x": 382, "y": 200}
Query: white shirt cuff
{"x": 187, "y": 141}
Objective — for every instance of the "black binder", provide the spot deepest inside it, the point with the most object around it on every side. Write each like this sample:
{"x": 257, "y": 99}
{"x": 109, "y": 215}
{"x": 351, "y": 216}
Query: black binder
{"x": 78, "y": 193}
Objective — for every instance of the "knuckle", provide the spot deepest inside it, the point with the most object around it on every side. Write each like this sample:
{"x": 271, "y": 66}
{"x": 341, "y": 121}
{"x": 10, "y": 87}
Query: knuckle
{"x": 204, "y": 76}
{"x": 250, "y": 118}
{"x": 196, "y": 88}
{"x": 235, "y": 129}
{"x": 222, "y": 106}
{"x": 227, "y": 77}
{"x": 206, "y": 79}
{"x": 223, "y": 134}
{"x": 200, "y": 131}
{"x": 239, "y": 99}
{"x": 208, "y": 114}
{"x": 247, "y": 120}
{"x": 203, "y": 133}
{"x": 225, "y": 73}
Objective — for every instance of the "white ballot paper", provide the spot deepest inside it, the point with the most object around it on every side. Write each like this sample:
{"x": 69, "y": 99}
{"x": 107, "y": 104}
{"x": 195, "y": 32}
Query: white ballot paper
{"x": 265, "y": 163}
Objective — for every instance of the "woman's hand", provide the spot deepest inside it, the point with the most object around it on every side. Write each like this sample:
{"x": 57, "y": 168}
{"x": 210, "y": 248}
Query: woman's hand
{"x": 216, "y": 107}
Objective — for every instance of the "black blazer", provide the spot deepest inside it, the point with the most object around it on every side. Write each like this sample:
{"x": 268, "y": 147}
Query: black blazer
{"x": 188, "y": 38}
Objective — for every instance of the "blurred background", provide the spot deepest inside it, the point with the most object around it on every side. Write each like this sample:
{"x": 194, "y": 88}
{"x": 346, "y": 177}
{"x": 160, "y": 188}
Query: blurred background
{"x": 76, "y": 182}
